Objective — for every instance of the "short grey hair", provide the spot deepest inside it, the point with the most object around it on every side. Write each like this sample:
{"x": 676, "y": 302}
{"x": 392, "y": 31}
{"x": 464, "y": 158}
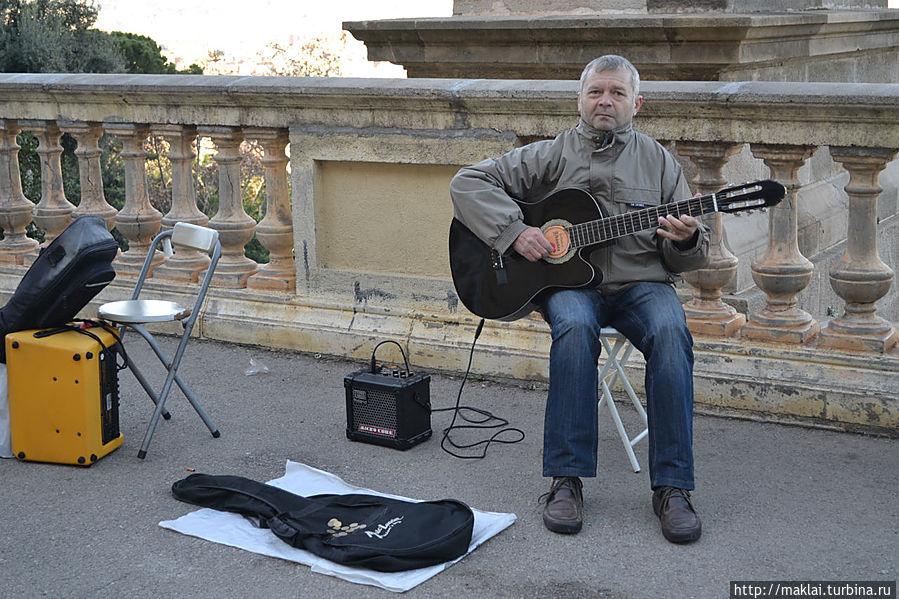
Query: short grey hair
{"x": 612, "y": 62}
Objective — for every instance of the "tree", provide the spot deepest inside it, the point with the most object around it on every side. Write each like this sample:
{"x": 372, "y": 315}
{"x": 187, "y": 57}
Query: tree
{"x": 54, "y": 36}
{"x": 143, "y": 55}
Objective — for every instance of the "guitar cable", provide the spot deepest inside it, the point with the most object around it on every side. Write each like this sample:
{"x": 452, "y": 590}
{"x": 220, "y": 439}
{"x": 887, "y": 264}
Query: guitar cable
{"x": 486, "y": 422}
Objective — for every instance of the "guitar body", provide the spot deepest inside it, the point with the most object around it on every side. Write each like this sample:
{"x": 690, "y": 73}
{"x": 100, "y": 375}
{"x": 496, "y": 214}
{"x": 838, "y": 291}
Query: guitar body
{"x": 511, "y": 292}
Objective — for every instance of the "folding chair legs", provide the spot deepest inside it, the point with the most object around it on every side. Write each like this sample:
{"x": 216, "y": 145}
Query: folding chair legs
{"x": 611, "y": 372}
{"x": 146, "y": 385}
{"x": 171, "y": 378}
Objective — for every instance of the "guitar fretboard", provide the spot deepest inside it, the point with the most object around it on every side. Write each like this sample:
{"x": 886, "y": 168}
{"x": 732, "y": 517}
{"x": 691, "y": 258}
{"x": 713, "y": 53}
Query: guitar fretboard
{"x": 613, "y": 227}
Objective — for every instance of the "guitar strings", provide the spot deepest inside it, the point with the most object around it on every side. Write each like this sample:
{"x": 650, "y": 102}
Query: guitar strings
{"x": 604, "y": 229}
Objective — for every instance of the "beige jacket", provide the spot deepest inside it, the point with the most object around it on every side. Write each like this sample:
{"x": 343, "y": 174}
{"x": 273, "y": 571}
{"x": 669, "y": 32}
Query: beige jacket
{"x": 624, "y": 170}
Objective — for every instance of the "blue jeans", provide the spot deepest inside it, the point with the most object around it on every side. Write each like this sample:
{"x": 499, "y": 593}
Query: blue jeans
{"x": 651, "y": 317}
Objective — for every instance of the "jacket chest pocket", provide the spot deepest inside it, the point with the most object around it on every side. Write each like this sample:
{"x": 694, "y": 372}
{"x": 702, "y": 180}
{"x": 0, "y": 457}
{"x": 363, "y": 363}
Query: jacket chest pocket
{"x": 633, "y": 210}
{"x": 629, "y": 198}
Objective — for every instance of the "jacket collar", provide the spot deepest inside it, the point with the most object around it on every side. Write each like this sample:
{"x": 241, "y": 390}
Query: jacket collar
{"x": 603, "y": 139}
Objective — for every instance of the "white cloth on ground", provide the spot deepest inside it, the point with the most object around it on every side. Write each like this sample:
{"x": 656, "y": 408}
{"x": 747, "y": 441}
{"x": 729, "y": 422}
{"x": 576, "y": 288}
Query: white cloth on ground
{"x": 236, "y": 531}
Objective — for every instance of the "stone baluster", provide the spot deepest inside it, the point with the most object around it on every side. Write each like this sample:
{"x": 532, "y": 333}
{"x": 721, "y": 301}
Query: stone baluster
{"x": 138, "y": 221}
{"x": 275, "y": 230}
{"x": 706, "y": 313}
{"x": 185, "y": 264}
{"x": 234, "y": 225}
{"x": 782, "y": 271}
{"x": 93, "y": 200}
{"x": 861, "y": 278}
{"x": 54, "y": 212}
{"x": 15, "y": 208}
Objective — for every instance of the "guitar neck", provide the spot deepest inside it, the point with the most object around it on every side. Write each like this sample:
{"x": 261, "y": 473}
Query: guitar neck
{"x": 606, "y": 229}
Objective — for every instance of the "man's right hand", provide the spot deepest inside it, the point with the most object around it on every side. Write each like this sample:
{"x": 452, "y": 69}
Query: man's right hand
{"x": 532, "y": 244}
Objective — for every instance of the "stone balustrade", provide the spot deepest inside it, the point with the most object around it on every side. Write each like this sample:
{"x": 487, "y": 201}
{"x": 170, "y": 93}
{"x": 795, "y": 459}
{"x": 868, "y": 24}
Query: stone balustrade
{"x": 357, "y": 214}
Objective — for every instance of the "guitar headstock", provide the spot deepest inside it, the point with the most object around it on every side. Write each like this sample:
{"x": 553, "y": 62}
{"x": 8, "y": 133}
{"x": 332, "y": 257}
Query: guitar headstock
{"x": 750, "y": 196}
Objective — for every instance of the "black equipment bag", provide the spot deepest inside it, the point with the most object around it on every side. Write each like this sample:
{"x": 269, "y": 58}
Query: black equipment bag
{"x": 67, "y": 274}
{"x": 365, "y": 531}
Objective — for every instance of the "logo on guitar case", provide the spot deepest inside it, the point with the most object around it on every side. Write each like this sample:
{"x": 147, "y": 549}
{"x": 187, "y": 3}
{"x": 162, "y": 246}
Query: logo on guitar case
{"x": 382, "y": 530}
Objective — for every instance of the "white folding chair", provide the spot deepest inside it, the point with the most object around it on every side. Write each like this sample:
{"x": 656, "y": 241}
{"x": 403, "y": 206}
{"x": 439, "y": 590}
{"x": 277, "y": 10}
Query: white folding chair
{"x": 135, "y": 313}
{"x": 611, "y": 372}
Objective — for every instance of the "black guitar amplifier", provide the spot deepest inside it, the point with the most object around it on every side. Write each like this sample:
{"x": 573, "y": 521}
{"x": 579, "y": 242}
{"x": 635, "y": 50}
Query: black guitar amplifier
{"x": 386, "y": 406}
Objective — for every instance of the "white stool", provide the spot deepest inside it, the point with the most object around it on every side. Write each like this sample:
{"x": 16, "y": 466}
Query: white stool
{"x": 609, "y": 373}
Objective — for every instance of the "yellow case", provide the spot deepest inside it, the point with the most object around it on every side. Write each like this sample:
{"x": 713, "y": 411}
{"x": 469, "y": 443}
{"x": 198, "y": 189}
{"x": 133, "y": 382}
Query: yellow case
{"x": 63, "y": 396}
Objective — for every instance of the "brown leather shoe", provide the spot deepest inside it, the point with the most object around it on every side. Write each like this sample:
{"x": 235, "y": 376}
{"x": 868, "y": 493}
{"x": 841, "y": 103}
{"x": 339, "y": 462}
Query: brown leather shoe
{"x": 564, "y": 509}
{"x": 675, "y": 510}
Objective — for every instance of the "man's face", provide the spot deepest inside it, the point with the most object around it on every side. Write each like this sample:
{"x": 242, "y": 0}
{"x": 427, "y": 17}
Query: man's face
{"x": 607, "y": 100}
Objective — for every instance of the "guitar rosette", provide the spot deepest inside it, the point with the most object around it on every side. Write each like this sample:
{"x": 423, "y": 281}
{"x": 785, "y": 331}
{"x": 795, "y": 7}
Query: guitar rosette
{"x": 556, "y": 231}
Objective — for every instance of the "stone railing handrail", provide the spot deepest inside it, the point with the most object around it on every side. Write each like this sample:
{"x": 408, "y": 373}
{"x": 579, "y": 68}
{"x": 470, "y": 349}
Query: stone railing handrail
{"x": 720, "y": 111}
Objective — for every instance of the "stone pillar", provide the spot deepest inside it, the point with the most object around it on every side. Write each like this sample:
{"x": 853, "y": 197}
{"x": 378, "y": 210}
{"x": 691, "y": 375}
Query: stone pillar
{"x": 275, "y": 230}
{"x": 234, "y": 225}
{"x": 706, "y": 313}
{"x": 782, "y": 272}
{"x": 185, "y": 264}
{"x": 138, "y": 221}
{"x": 54, "y": 212}
{"x": 15, "y": 208}
{"x": 93, "y": 200}
{"x": 861, "y": 277}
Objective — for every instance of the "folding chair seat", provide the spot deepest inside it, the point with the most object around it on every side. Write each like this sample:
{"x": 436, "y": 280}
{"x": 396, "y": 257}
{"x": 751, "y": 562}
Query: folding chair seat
{"x": 612, "y": 371}
{"x": 135, "y": 313}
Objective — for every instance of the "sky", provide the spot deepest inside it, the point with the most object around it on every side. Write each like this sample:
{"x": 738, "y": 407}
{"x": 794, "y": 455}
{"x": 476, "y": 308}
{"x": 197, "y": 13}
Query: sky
{"x": 189, "y": 28}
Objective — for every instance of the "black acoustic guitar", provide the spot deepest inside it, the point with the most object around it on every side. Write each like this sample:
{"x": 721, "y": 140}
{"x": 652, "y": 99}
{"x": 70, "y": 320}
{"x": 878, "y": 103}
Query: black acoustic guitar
{"x": 505, "y": 287}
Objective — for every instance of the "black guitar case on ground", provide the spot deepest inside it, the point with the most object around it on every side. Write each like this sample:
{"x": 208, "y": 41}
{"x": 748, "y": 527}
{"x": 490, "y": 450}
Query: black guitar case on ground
{"x": 67, "y": 274}
{"x": 365, "y": 531}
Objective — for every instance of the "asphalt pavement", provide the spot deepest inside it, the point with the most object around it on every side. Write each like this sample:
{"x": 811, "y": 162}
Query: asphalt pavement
{"x": 778, "y": 503}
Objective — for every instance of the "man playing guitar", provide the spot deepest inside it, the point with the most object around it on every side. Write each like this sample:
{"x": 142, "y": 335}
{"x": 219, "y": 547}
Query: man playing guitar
{"x": 625, "y": 171}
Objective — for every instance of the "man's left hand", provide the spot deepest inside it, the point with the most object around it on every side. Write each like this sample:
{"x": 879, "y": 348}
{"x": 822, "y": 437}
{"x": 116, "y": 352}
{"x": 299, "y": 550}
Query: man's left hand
{"x": 678, "y": 229}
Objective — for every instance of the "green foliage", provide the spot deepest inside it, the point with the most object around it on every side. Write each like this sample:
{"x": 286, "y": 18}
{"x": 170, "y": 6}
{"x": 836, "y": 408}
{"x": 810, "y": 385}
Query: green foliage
{"x": 143, "y": 55}
{"x": 112, "y": 168}
{"x": 54, "y": 36}
{"x": 29, "y": 166}
{"x": 256, "y": 251}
